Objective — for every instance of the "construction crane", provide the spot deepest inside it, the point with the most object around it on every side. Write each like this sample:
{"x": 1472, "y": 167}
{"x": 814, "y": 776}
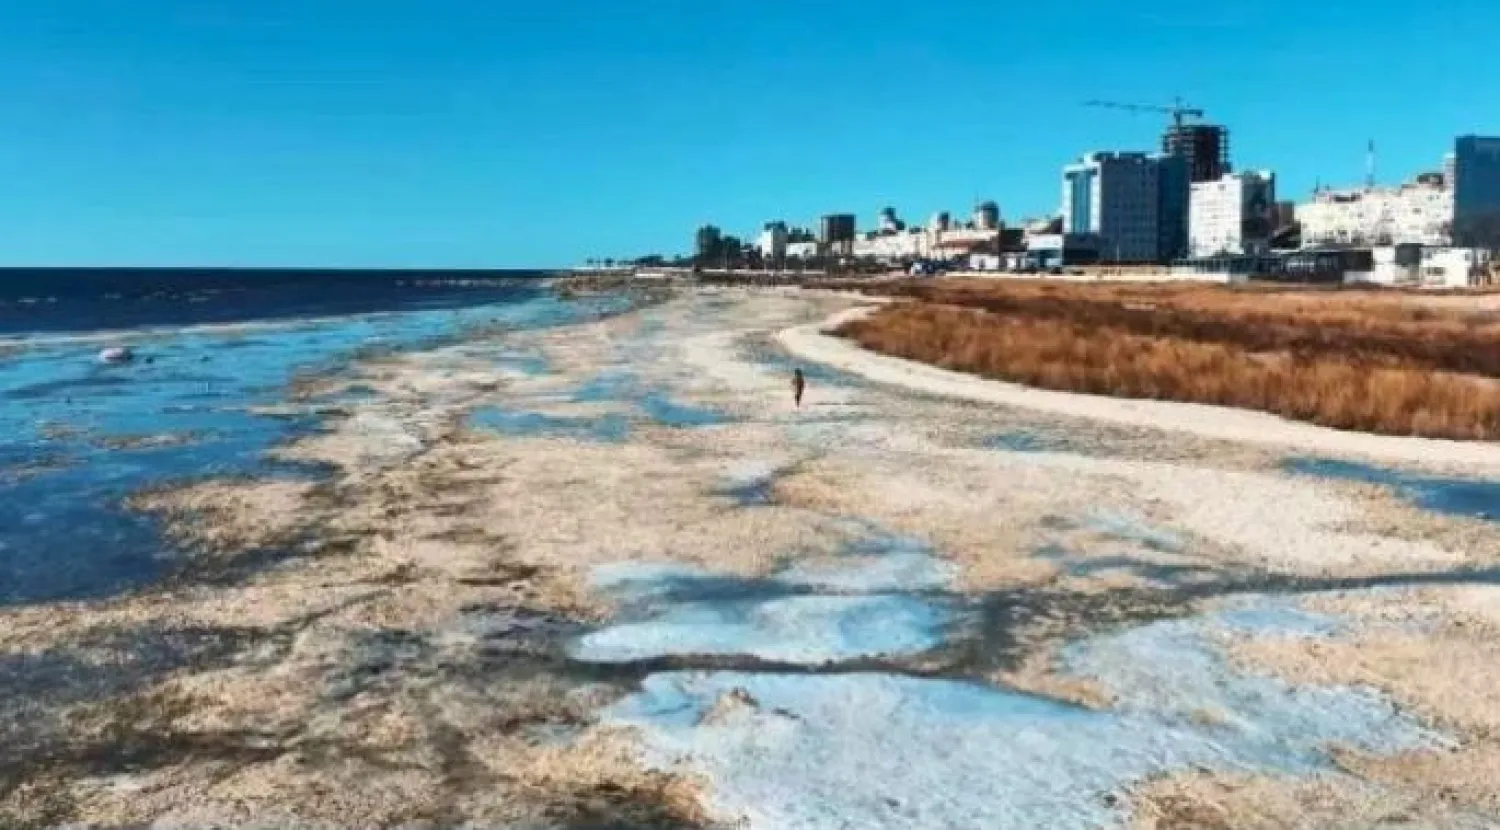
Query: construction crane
{"x": 1178, "y": 110}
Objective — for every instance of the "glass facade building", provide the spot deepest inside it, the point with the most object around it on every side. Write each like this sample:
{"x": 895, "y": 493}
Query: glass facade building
{"x": 1476, "y": 192}
{"x": 1174, "y": 196}
{"x": 1081, "y": 206}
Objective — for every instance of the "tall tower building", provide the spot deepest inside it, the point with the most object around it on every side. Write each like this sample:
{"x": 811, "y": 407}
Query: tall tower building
{"x": 1174, "y": 187}
{"x": 1476, "y": 192}
{"x": 1204, "y": 146}
{"x": 1117, "y": 198}
{"x": 708, "y": 243}
{"x": 987, "y": 216}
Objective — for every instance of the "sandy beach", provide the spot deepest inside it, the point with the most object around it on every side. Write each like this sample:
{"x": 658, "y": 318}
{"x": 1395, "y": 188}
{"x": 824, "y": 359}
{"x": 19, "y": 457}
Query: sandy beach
{"x": 624, "y": 582}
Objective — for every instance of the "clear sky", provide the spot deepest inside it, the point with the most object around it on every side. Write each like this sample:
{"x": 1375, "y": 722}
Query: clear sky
{"x": 494, "y": 133}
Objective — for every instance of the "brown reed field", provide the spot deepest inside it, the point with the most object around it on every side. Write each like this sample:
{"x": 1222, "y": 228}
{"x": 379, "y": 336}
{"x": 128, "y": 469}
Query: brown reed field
{"x": 1375, "y": 361}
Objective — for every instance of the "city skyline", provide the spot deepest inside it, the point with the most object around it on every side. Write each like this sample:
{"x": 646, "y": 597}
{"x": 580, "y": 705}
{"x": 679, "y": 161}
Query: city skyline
{"x": 1181, "y": 208}
{"x": 917, "y": 219}
{"x": 461, "y": 135}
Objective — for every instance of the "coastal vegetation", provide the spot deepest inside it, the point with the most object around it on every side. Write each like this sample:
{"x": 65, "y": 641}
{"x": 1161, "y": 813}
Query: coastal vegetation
{"x": 1374, "y": 361}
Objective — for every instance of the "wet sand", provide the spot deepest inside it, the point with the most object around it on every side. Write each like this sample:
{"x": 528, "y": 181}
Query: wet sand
{"x": 518, "y": 576}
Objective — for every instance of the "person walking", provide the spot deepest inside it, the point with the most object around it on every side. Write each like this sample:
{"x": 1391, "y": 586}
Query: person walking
{"x": 799, "y": 385}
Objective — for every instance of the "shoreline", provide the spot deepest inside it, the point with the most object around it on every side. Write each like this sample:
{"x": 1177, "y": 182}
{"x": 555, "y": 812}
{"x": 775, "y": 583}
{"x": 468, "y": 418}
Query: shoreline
{"x": 581, "y": 591}
{"x": 815, "y": 343}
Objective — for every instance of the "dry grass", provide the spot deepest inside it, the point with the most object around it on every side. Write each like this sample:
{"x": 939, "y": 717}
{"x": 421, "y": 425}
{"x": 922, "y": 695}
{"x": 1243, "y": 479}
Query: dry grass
{"x": 1365, "y": 361}
{"x": 1457, "y": 333}
{"x": 229, "y": 516}
{"x": 601, "y": 772}
{"x": 1208, "y": 801}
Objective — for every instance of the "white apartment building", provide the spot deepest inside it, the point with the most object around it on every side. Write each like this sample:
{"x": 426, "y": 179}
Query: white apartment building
{"x": 1116, "y": 197}
{"x": 934, "y": 242}
{"x": 892, "y": 245}
{"x": 1232, "y": 215}
{"x": 1418, "y": 212}
{"x": 961, "y": 241}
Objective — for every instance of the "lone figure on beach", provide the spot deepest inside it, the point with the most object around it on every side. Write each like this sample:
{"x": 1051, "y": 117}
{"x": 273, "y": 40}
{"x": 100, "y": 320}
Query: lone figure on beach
{"x": 799, "y": 384}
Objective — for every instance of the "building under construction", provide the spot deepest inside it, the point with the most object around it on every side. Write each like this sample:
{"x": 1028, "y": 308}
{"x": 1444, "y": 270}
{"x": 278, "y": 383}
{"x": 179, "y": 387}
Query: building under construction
{"x": 1205, "y": 146}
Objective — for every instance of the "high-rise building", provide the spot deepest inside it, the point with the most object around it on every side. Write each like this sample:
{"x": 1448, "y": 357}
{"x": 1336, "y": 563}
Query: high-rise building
{"x": 987, "y": 216}
{"x": 1204, "y": 146}
{"x": 1234, "y": 215}
{"x": 1476, "y": 192}
{"x": 708, "y": 243}
{"x": 1119, "y": 198}
{"x": 772, "y": 242}
{"x": 1174, "y": 203}
{"x": 837, "y": 228}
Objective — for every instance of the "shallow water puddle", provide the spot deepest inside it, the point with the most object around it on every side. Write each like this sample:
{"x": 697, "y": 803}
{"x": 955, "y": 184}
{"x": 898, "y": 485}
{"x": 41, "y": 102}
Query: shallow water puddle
{"x": 1128, "y": 528}
{"x": 530, "y": 365}
{"x": 605, "y": 387}
{"x": 1037, "y": 441}
{"x": 1089, "y": 566}
{"x": 619, "y": 386}
{"x": 776, "y": 359}
{"x": 876, "y": 749}
{"x": 805, "y": 630}
{"x": 880, "y": 750}
{"x": 847, "y": 608}
{"x": 609, "y": 429}
{"x": 1475, "y": 498}
{"x": 660, "y": 407}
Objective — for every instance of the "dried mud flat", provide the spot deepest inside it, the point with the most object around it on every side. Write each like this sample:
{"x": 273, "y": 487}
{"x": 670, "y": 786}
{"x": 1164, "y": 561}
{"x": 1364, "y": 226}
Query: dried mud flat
{"x": 622, "y": 582}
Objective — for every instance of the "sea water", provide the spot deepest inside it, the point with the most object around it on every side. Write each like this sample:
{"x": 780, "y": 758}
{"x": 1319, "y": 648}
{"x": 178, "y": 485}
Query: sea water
{"x": 77, "y": 436}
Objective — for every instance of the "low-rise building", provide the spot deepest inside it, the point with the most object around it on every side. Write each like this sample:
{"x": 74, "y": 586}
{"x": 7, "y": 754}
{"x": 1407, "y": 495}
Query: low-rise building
{"x": 804, "y": 250}
{"x": 1058, "y": 250}
{"x": 1420, "y": 266}
{"x": 942, "y": 239}
{"x": 961, "y": 242}
{"x": 986, "y": 262}
{"x": 892, "y": 246}
{"x": 1456, "y": 267}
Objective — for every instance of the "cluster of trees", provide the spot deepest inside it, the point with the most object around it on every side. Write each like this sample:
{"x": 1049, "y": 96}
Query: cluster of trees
{"x": 648, "y": 261}
{"x": 713, "y": 249}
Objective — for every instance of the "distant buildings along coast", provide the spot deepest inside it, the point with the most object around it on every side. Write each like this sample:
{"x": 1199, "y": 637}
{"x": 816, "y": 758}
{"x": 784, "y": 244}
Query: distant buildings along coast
{"x": 1184, "y": 207}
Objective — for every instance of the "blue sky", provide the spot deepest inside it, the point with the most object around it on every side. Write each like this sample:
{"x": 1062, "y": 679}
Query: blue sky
{"x": 474, "y": 134}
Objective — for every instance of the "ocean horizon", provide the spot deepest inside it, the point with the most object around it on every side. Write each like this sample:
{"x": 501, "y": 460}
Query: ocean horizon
{"x": 54, "y": 300}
